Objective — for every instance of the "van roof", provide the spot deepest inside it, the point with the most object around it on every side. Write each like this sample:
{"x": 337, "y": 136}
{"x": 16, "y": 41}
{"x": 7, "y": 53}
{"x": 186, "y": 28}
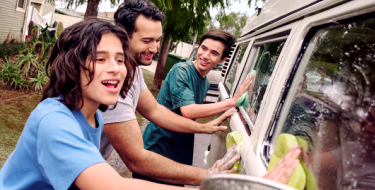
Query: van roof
{"x": 283, "y": 11}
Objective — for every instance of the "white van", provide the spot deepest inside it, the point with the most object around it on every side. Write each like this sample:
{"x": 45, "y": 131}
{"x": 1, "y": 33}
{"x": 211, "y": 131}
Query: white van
{"x": 315, "y": 79}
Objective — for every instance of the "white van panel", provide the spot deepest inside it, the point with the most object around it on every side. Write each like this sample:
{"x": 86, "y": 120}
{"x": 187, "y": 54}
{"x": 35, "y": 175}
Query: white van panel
{"x": 273, "y": 15}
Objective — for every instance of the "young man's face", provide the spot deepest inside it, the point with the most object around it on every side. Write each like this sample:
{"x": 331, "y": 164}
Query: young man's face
{"x": 145, "y": 40}
{"x": 110, "y": 73}
{"x": 209, "y": 55}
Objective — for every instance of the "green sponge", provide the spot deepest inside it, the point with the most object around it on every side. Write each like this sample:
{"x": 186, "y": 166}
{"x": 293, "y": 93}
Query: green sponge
{"x": 235, "y": 137}
{"x": 302, "y": 177}
{"x": 243, "y": 101}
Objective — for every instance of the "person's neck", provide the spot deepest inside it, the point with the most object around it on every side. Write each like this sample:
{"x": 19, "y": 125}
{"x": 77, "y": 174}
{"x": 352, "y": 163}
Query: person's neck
{"x": 203, "y": 74}
{"x": 89, "y": 111}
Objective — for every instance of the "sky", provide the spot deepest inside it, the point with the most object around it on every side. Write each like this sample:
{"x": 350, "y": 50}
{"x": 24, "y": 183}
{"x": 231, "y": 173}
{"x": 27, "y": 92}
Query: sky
{"x": 237, "y": 6}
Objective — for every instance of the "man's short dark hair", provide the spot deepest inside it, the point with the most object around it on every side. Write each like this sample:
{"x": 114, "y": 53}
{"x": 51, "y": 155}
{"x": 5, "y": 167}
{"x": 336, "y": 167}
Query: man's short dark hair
{"x": 130, "y": 10}
{"x": 227, "y": 39}
{"x": 75, "y": 47}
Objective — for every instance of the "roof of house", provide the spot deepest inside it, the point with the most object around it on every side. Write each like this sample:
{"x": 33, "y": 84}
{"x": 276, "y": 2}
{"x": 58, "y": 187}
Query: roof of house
{"x": 68, "y": 12}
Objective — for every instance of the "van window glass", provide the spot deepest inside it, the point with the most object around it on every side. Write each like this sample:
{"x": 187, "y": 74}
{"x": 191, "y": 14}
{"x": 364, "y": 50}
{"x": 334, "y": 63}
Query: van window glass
{"x": 333, "y": 108}
{"x": 266, "y": 58}
{"x": 232, "y": 73}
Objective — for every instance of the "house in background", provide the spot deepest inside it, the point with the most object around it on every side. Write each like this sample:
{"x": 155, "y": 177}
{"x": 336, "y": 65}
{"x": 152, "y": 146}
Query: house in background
{"x": 12, "y": 18}
{"x": 15, "y": 16}
{"x": 66, "y": 16}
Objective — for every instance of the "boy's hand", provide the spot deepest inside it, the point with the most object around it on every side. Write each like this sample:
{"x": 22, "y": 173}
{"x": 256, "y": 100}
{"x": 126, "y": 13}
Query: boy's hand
{"x": 243, "y": 88}
{"x": 225, "y": 164}
{"x": 213, "y": 126}
{"x": 285, "y": 168}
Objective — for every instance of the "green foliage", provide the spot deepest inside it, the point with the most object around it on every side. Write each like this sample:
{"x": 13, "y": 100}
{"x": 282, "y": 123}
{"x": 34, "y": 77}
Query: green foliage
{"x": 11, "y": 75}
{"x": 39, "y": 81}
{"x": 27, "y": 64}
{"x": 233, "y": 23}
{"x": 59, "y": 29}
{"x": 11, "y": 48}
{"x": 186, "y": 16}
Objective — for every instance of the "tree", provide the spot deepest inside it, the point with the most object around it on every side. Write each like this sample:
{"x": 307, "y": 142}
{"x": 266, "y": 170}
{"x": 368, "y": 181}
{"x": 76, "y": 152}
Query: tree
{"x": 233, "y": 23}
{"x": 92, "y": 5}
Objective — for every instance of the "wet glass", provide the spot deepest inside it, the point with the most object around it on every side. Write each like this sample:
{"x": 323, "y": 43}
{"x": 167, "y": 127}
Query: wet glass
{"x": 334, "y": 104}
{"x": 232, "y": 73}
{"x": 267, "y": 56}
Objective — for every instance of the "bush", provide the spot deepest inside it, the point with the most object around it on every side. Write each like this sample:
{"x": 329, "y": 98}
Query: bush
{"x": 7, "y": 49}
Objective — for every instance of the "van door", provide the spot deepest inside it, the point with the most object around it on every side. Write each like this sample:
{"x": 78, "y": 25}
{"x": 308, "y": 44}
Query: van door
{"x": 330, "y": 105}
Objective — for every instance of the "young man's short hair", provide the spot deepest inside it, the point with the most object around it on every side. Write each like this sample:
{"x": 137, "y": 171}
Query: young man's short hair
{"x": 75, "y": 47}
{"x": 129, "y": 11}
{"x": 227, "y": 39}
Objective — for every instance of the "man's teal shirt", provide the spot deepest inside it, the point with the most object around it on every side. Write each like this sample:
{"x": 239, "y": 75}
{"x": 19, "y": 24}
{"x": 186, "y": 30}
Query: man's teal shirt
{"x": 182, "y": 86}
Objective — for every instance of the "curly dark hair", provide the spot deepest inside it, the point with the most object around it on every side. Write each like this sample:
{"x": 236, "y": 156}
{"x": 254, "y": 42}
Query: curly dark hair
{"x": 129, "y": 11}
{"x": 75, "y": 47}
{"x": 222, "y": 36}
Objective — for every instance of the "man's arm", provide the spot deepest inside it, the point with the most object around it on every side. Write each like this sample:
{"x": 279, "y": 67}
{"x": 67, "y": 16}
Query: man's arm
{"x": 126, "y": 138}
{"x": 103, "y": 176}
{"x": 194, "y": 111}
{"x": 163, "y": 117}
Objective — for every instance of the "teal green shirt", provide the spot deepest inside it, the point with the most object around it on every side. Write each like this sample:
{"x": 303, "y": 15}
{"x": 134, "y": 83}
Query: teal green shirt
{"x": 182, "y": 86}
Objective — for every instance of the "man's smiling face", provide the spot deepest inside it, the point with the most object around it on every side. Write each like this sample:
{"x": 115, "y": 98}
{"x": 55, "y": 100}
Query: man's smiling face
{"x": 146, "y": 38}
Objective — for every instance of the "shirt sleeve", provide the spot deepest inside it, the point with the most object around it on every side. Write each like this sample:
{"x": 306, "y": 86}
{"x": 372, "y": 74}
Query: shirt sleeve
{"x": 142, "y": 83}
{"x": 181, "y": 90}
{"x": 63, "y": 151}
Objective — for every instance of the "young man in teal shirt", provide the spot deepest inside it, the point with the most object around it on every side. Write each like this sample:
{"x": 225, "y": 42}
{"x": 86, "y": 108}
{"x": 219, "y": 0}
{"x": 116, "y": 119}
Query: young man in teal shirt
{"x": 183, "y": 92}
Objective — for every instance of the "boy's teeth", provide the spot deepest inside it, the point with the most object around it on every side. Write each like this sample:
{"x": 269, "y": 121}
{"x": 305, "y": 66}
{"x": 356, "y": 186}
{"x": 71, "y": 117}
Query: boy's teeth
{"x": 110, "y": 82}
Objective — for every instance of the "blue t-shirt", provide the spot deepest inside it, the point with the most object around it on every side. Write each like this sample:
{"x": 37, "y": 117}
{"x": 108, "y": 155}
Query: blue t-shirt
{"x": 56, "y": 145}
{"x": 182, "y": 86}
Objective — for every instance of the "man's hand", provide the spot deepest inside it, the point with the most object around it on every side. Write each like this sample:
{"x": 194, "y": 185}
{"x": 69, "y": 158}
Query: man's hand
{"x": 243, "y": 88}
{"x": 224, "y": 165}
{"x": 285, "y": 168}
{"x": 213, "y": 126}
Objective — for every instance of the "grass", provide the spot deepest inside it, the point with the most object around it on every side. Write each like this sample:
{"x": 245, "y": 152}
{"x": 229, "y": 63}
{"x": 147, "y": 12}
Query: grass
{"x": 16, "y": 106}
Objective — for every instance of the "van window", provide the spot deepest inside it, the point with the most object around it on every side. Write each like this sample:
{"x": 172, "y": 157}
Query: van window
{"x": 232, "y": 73}
{"x": 266, "y": 58}
{"x": 333, "y": 107}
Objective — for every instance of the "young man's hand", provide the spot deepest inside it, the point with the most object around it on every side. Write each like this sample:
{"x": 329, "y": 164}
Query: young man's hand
{"x": 243, "y": 88}
{"x": 285, "y": 168}
{"x": 224, "y": 165}
{"x": 213, "y": 126}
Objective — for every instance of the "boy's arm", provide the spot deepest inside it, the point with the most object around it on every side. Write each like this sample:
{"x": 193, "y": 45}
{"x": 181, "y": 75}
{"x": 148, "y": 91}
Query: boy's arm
{"x": 163, "y": 117}
{"x": 194, "y": 111}
{"x": 103, "y": 176}
{"x": 127, "y": 140}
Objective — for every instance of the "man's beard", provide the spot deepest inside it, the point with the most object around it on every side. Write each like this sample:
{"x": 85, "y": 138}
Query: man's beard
{"x": 140, "y": 63}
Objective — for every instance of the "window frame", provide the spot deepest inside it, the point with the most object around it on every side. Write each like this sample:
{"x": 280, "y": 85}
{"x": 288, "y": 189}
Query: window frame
{"x": 247, "y": 42}
{"x": 21, "y": 9}
{"x": 250, "y": 63}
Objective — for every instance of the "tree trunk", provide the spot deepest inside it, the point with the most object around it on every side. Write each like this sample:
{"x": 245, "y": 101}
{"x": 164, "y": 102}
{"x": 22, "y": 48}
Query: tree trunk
{"x": 159, "y": 73}
{"x": 92, "y": 8}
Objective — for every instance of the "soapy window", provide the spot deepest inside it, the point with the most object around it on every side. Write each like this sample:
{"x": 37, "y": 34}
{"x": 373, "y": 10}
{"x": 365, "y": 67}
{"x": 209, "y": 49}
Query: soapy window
{"x": 332, "y": 110}
{"x": 266, "y": 58}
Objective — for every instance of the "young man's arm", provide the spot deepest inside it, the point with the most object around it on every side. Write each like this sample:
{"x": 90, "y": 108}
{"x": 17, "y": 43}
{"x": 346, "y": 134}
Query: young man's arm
{"x": 163, "y": 117}
{"x": 126, "y": 138}
{"x": 194, "y": 111}
{"x": 103, "y": 176}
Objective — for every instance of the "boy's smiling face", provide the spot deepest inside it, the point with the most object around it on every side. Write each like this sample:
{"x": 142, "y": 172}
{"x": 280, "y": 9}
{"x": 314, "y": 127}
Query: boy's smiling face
{"x": 110, "y": 73}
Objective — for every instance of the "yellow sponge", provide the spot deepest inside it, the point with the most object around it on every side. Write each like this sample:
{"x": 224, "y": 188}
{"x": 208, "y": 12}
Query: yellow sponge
{"x": 283, "y": 144}
{"x": 235, "y": 137}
